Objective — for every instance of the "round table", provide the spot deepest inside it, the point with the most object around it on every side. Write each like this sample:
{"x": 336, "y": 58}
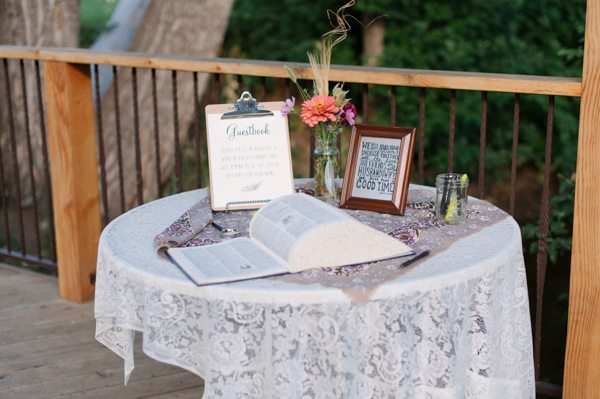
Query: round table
{"x": 455, "y": 325}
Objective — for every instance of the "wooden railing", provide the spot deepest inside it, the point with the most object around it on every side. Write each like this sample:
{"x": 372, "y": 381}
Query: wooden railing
{"x": 582, "y": 365}
{"x": 71, "y": 125}
{"x": 76, "y": 196}
{"x": 505, "y": 83}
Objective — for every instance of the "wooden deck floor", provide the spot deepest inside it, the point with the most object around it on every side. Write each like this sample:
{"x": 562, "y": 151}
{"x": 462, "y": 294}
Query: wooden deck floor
{"x": 48, "y": 349}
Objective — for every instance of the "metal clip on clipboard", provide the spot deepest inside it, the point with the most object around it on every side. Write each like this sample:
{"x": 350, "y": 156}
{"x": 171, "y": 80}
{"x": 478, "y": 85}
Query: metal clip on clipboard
{"x": 246, "y": 108}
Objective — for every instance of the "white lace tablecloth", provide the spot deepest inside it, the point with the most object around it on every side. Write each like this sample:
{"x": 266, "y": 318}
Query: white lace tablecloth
{"x": 455, "y": 326}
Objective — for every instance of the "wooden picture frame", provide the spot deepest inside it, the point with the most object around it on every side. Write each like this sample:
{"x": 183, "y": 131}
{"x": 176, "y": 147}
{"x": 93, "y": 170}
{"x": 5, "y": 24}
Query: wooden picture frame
{"x": 378, "y": 168}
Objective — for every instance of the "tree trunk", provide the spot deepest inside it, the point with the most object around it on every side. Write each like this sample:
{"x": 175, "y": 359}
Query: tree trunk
{"x": 52, "y": 23}
{"x": 184, "y": 28}
{"x": 119, "y": 35}
{"x": 373, "y": 35}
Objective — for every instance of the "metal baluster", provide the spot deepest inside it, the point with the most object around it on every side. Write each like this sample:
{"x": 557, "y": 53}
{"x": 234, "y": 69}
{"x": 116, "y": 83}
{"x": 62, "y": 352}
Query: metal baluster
{"x": 542, "y": 256}
{"x": 513, "y": 170}
{"x": 217, "y": 91}
{"x": 263, "y": 89}
{"x": 2, "y": 182}
{"x": 311, "y": 172}
{"x": 451, "y": 133}
{"x": 287, "y": 88}
{"x": 15, "y": 161}
{"x": 119, "y": 139}
{"x": 45, "y": 161}
{"x": 365, "y": 101}
{"x": 178, "y": 183}
{"x": 482, "y": 139}
{"x": 197, "y": 141}
{"x": 393, "y": 106}
{"x": 136, "y": 135}
{"x": 101, "y": 153}
{"x": 36, "y": 220}
{"x": 421, "y": 178}
{"x": 156, "y": 135}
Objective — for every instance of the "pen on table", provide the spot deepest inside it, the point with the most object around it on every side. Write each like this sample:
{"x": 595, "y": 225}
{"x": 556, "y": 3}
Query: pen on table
{"x": 416, "y": 258}
{"x": 225, "y": 232}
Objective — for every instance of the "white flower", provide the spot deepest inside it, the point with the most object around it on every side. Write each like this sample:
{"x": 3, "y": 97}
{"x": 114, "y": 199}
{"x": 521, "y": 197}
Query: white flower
{"x": 228, "y": 352}
{"x": 432, "y": 361}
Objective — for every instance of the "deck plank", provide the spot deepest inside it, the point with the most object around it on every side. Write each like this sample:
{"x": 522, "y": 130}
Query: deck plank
{"x": 52, "y": 356}
{"x": 5, "y": 272}
{"x": 53, "y": 316}
{"x": 192, "y": 393}
{"x": 144, "y": 388}
{"x": 29, "y": 294}
{"x": 31, "y": 287}
{"x": 31, "y": 309}
{"x": 109, "y": 382}
{"x": 47, "y": 330}
{"x": 69, "y": 369}
{"x": 22, "y": 348}
{"x": 16, "y": 280}
{"x": 48, "y": 350}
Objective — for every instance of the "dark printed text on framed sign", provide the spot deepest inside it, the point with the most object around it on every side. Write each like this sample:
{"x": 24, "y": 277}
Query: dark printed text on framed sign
{"x": 378, "y": 168}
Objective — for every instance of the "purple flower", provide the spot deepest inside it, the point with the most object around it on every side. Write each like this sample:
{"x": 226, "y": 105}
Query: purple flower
{"x": 348, "y": 115}
{"x": 329, "y": 128}
{"x": 350, "y": 118}
{"x": 289, "y": 105}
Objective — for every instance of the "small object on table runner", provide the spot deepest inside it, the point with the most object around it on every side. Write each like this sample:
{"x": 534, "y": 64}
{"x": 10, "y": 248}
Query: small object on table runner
{"x": 451, "y": 197}
{"x": 411, "y": 261}
{"x": 225, "y": 232}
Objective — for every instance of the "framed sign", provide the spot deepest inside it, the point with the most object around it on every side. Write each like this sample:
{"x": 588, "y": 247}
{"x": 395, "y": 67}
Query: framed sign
{"x": 378, "y": 168}
{"x": 248, "y": 155}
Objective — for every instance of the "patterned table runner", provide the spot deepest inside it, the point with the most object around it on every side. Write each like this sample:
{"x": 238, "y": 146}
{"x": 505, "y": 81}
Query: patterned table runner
{"x": 418, "y": 228}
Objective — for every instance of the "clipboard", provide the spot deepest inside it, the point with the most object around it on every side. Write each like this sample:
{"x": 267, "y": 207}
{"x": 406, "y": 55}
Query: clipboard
{"x": 249, "y": 157}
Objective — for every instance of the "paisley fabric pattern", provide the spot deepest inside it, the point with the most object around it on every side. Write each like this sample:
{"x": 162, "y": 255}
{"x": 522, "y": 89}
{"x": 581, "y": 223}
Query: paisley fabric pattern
{"x": 456, "y": 325}
{"x": 418, "y": 220}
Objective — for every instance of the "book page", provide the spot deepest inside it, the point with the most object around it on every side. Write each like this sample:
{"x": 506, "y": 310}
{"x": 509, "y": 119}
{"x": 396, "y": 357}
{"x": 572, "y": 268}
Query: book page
{"x": 281, "y": 224}
{"x": 347, "y": 243}
{"x": 237, "y": 259}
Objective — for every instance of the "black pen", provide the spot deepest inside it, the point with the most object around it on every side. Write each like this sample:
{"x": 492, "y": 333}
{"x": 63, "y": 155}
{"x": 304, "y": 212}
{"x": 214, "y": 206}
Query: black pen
{"x": 445, "y": 195}
{"x": 416, "y": 258}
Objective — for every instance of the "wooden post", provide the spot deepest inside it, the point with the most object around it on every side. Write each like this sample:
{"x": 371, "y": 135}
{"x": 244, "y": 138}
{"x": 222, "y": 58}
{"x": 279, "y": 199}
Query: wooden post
{"x": 582, "y": 362}
{"x": 75, "y": 193}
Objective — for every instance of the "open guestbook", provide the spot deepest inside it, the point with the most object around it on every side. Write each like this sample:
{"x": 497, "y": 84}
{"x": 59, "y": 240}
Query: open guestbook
{"x": 287, "y": 235}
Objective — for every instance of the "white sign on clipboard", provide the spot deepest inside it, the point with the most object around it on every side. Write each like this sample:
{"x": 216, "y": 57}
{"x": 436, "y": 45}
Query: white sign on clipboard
{"x": 249, "y": 156}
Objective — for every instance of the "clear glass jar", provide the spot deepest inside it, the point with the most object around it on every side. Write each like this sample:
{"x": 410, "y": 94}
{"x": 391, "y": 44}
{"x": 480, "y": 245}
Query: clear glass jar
{"x": 451, "y": 197}
{"x": 327, "y": 170}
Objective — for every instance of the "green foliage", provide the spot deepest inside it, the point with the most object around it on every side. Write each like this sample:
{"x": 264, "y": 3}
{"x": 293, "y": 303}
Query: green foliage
{"x": 535, "y": 37}
{"x": 480, "y": 36}
{"x": 283, "y": 31}
{"x": 93, "y": 15}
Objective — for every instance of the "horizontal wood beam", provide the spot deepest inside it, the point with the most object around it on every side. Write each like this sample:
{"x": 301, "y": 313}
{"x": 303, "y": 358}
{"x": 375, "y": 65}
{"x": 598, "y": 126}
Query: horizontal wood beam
{"x": 493, "y": 82}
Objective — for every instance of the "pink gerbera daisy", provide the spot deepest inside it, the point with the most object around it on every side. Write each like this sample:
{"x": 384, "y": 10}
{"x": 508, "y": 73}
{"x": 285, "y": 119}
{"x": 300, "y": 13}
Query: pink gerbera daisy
{"x": 319, "y": 109}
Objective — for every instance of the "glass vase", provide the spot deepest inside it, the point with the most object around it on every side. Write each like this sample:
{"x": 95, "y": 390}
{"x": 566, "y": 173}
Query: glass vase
{"x": 451, "y": 197}
{"x": 327, "y": 170}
